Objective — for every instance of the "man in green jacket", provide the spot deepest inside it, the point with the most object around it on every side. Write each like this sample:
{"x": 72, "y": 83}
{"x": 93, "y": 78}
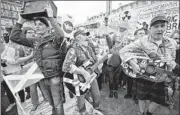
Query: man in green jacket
{"x": 48, "y": 55}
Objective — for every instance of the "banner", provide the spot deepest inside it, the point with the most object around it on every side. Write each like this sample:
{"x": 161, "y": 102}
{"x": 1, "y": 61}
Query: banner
{"x": 140, "y": 16}
{"x": 169, "y": 8}
{"x": 67, "y": 26}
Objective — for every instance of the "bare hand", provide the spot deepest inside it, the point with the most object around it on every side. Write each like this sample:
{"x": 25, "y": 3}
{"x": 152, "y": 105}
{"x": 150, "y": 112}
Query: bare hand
{"x": 135, "y": 67}
{"x": 172, "y": 64}
{"x": 49, "y": 10}
{"x": 21, "y": 20}
{"x": 32, "y": 54}
{"x": 85, "y": 74}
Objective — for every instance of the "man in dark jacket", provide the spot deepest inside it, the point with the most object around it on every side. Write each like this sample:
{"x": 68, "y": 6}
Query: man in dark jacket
{"x": 48, "y": 55}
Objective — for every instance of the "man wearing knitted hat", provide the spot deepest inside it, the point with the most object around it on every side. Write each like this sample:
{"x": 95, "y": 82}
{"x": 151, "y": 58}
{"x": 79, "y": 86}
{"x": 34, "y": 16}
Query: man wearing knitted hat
{"x": 155, "y": 93}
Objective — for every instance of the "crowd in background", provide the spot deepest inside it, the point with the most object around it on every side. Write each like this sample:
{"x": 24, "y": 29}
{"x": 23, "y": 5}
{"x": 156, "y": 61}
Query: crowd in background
{"x": 110, "y": 71}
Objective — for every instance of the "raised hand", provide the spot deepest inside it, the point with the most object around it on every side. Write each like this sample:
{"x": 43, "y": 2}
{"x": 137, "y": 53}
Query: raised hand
{"x": 21, "y": 20}
{"x": 85, "y": 73}
{"x": 32, "y": 54}
{"x": 49, "y": 10}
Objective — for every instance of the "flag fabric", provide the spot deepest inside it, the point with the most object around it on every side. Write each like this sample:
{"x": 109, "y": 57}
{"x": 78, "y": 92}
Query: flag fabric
{"x": 27, "y": 76}
{"x": 79, "y": 86}
{"x": 31, "y": 74}
{"x": 71, "y": 108}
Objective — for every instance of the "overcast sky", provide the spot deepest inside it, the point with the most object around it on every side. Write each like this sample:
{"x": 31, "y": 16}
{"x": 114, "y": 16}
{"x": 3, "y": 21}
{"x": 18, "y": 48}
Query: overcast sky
{"x": 80, "y": 10}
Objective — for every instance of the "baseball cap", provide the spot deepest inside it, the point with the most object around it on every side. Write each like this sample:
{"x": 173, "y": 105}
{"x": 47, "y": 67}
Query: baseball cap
{"x": 158, "y": 18}
{"x": 81, "y": 32}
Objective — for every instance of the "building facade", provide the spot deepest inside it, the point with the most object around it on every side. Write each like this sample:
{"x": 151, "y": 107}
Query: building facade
{"x": 137, "y": 15}
{"x": 9, "y": 13}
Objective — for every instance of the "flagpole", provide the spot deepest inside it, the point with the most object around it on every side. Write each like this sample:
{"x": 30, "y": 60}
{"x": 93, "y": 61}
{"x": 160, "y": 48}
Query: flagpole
{"x": 108, "y": 11}
{"x": 17, "y": 100}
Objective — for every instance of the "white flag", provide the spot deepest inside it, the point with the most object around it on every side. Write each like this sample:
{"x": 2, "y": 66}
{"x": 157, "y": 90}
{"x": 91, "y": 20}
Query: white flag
{"x": 27, "y": 76}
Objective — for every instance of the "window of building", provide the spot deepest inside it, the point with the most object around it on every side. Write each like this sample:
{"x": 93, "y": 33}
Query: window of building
{"x": 10, "y": 7}
{"x": 2, "y": 6}
{"x": 5, "y": 6}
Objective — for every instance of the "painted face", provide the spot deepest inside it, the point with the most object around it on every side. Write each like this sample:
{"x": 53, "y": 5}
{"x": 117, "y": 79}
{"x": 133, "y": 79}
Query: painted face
{"x": 41, "y": 28}
{"x": 140, "y": 33}
{"x": 30, "y": 34}
{"x": 157, "y": 30}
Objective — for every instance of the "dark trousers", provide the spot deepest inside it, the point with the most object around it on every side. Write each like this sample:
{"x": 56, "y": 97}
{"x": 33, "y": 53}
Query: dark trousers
{"x": 27, "y": 89}
{"x": 127, "y": 80}
{"x": 99, "y": 80}
{"x": 114, "y": 74}
{"x": 123, "y": 79}
{"x": 10, "y": 95}
{"x": 105, "y": 72}
{"x": 5, "y": 103}
{"x": 129, "y": 85}
{"x": 53, "y": 93}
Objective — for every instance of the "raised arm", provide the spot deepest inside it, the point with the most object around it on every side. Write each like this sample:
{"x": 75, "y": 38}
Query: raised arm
{"x": 17, "y": 36}
{"x": 58, "y": 31}
{"x": 69, "y": 62}
{"x": 19, "y": 60}
{"x": 109, "y": 41}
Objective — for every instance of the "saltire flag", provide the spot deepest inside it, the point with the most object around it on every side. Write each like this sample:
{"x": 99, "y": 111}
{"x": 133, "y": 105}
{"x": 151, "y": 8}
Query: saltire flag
{"x": 27, "y": 76}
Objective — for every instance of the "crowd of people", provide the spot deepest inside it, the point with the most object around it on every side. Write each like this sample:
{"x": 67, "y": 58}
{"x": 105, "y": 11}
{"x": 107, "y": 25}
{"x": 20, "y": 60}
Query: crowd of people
{"x": 56, "y": 55}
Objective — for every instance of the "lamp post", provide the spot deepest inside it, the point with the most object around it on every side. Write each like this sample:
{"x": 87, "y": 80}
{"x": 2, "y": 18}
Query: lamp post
{"x": 108, "y": 12}
{"x": 106, "y": 21}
